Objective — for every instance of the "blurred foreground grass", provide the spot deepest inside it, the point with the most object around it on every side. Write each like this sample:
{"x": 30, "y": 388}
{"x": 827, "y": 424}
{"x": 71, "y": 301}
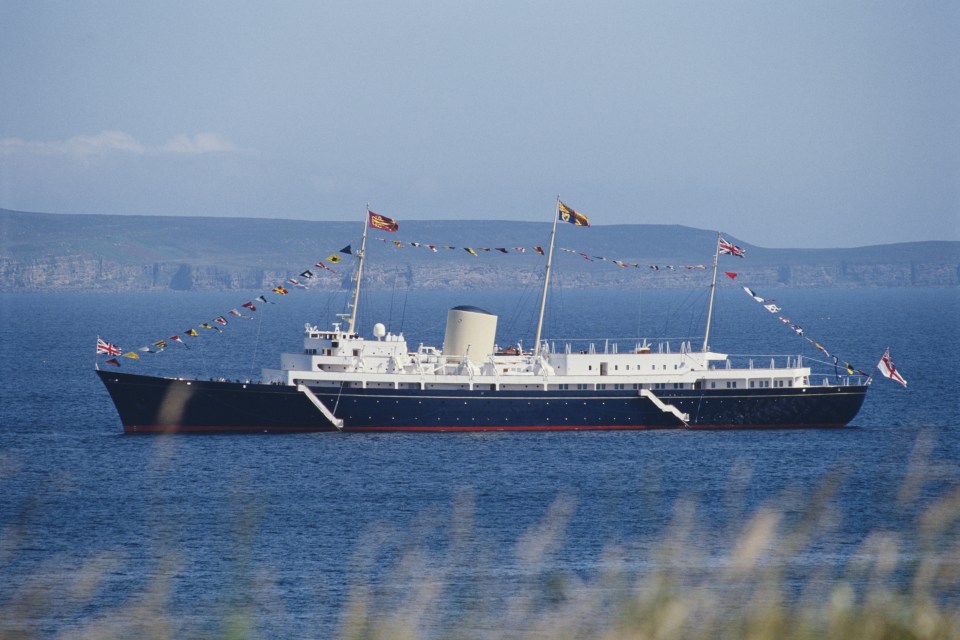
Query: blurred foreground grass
{"x": 761, "y": 585}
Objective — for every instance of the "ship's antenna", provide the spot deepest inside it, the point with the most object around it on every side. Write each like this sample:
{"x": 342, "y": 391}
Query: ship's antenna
{"x": 713, "y": 289}
{"x": 546, "y": 279}
{"x": 352, "y": 320}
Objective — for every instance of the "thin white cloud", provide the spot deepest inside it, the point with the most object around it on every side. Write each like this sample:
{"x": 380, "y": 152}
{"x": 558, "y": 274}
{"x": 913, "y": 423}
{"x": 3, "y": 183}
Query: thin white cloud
{"x": 200, "y": 143}
{"x": 114, "y": 142}
{"x": 103, "y": 143}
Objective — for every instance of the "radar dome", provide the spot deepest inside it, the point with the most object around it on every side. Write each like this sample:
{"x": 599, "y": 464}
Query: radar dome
{"x": 379, "y": 330}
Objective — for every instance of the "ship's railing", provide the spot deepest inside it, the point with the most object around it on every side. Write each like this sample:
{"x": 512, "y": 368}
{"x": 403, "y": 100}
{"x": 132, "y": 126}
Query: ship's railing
{"x": 762, "y": 366}
{"x": 762, "y": 361}
{"x": 824, "y": 380}
{"x": 680, "y": 344}
{"x": 822, "y": 374}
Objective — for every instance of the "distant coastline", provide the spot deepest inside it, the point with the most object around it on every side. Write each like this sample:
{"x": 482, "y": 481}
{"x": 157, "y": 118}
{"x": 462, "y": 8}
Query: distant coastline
{"x": 76, "y": 252}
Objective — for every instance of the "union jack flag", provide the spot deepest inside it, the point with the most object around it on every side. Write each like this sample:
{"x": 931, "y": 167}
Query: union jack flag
{"x": 732, "y": 249}
{"x": 108, "y": 348}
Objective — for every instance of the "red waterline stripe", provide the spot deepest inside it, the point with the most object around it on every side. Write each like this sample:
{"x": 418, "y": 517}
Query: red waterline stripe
{"x": 213, "y": 429}
{"x": 139, "y": 429}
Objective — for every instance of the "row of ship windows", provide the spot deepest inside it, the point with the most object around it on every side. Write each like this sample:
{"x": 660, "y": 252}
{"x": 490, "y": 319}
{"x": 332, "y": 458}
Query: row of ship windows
{"x": 656, "y": 386}
{"x": 327, "y": 352}
{"x": 603, "y": 368}
{"x": 616, "y": 367}
{"x": 728, "y": 384}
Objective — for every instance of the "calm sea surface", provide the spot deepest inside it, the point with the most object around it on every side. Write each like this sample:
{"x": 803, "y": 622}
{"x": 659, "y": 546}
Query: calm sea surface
{"x": 294, "y": 522}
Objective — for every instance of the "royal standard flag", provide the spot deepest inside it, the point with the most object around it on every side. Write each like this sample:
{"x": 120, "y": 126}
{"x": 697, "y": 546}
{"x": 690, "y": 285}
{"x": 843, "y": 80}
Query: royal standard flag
{"x": 383, "y": 223}
{"x": 569, "y": 215}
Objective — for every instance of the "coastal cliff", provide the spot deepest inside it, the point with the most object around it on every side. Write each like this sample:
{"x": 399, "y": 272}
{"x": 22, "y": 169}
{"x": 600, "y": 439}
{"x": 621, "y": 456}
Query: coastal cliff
{"x": 56, "y": 252}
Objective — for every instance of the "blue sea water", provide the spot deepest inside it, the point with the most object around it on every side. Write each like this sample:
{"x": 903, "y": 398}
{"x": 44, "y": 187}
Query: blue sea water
{"x": 289, "y": 526}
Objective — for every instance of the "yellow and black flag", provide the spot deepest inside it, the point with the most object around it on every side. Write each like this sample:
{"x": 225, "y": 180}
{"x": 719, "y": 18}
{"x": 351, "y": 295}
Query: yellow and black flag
{"x": 333, "y": 258}
{"x": 569, "y": 215}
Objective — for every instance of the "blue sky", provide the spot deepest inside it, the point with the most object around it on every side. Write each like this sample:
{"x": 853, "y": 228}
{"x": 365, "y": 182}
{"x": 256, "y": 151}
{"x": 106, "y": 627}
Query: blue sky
{"x": 809, "y": 124}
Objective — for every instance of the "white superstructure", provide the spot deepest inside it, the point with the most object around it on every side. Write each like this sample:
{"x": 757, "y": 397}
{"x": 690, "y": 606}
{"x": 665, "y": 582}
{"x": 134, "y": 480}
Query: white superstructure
{"x": 336, "y": 357}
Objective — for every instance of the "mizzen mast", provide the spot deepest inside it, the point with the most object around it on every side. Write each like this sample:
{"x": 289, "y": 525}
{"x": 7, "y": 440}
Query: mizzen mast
{"x": 546, "y": 279}
{"x": 713, "y": 289}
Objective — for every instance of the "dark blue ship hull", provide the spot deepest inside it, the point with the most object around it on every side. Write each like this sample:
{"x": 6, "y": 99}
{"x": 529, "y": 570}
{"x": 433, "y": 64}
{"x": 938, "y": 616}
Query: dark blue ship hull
{"x": 155, "y": 405}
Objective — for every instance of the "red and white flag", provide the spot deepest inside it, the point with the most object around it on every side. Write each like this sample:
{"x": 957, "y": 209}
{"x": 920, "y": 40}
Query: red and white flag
{"x": 888, "y": 370}
{"x": 107, "y": 348}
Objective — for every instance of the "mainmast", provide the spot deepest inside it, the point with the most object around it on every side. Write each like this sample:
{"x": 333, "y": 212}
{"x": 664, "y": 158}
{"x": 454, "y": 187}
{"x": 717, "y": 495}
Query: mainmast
{"x": 713, "y": 289}
{"x": 546, "y": 279}
{"x": 352, "y": 320}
